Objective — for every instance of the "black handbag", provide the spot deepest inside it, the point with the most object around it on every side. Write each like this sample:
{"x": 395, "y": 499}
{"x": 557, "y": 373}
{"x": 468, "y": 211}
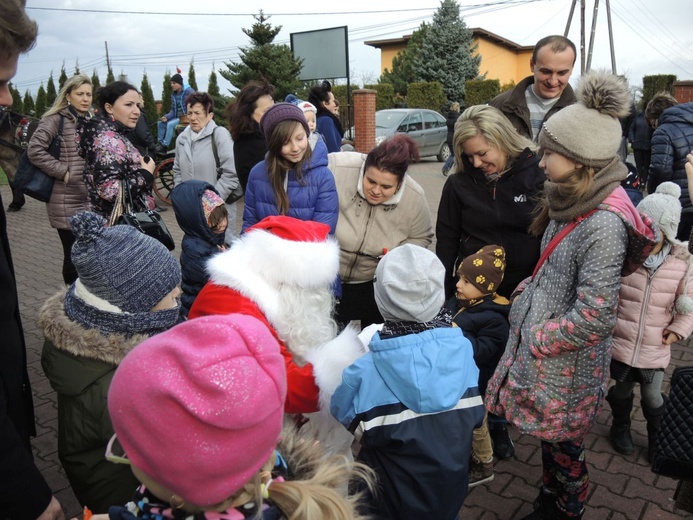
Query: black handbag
{"x": 237, "y": 193}
{"x": 147, "y": 222}
{"x": 674, "y": 448}
{"x": 33, "y": 181}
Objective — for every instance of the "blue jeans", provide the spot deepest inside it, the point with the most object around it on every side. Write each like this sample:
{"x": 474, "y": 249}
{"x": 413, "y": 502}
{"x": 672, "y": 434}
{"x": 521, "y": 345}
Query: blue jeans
{"x": 167, "y": 130}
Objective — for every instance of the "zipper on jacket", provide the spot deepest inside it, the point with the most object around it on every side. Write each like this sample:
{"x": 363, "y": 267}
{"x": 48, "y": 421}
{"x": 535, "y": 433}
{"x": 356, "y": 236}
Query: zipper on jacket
{"x": 363, "y": 240}
{"x": 641, "y": 324}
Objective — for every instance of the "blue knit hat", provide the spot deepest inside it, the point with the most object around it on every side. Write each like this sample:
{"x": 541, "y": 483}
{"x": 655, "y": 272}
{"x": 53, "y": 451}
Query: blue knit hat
{"x": 120, "y": 265}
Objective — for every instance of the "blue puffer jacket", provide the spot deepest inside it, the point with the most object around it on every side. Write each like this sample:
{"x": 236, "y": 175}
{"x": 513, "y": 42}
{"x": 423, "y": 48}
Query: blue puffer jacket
{"x": 314, "y": 198}
{"x": 413, "y": 402}
{"x": 199, "y": 242}
{"x": 671, "y": 142}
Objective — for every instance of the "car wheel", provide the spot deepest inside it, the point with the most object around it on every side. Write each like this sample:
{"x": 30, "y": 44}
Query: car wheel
{"x": 444, "y": 153}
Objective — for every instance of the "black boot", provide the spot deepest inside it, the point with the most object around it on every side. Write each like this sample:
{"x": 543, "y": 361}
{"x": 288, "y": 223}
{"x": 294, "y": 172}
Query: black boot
{"x": 544, "y": 506}
{"x": 653, "y": 416}
{"x": 620, "y": 426}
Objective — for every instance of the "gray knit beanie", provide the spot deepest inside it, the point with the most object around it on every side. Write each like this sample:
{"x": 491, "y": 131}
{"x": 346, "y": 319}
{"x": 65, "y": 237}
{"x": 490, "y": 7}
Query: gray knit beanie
{"x": 281, "y": 112}
{"x": 589, "y": 131}
{"x": 664, "y": 207}
{"x": 409, "y": 284}
{"x": 121, "y": 265}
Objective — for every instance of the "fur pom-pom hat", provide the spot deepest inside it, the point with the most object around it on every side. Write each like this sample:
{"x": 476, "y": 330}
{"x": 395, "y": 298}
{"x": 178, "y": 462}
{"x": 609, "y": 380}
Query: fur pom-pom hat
{"x": 589, "y": 131}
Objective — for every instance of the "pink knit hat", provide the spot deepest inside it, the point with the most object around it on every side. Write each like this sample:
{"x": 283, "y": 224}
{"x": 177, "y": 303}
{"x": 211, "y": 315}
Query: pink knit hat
{"x": 199, "y": 408}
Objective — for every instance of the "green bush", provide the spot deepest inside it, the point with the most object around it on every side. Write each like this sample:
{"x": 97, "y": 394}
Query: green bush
{"x": 426, "y": 95}
{"x": 386, "y": 95}
{"x": 655, "y": 84}
{"x": 480, "y": 91}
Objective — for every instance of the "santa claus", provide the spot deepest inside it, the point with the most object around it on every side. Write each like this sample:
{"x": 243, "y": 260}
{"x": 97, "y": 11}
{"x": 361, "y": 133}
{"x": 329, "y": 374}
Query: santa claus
{"x": 282, "y": 272}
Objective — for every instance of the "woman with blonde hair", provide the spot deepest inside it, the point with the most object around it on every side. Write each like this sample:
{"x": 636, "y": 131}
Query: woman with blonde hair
{"x": 69, "y": 192}
{"x": 490, "y": 199}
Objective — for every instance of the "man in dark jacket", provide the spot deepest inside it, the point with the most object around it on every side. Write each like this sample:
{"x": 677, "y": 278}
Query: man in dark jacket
{"x": 24, "y": 494}
{"x": 538, "y": 97}
{"x": 167, "y": 124}
{"x": 640, "y": 138}
{"x": 672, "y": 140}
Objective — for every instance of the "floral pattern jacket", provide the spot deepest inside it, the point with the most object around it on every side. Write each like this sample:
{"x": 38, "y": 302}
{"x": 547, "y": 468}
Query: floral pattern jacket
{"x": 110, "y": 158}
{"x": 552, "y": 377}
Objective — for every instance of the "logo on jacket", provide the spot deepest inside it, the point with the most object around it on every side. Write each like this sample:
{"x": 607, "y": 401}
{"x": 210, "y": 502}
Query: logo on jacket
{"x": 521, "y": 198}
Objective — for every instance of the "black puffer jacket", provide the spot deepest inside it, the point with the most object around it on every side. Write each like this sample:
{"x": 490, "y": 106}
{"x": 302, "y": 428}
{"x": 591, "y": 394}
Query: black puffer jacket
{"x": 248, "y": 150}
{"x": 199, "y": 242}
{"x": 474, "y": 213}
{"x": 671, "y": 142}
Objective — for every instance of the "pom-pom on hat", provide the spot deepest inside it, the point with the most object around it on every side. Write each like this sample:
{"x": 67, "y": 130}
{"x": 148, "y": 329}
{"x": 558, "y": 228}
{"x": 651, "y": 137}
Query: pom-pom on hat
{"x": 120, "y": 265}
{"x": 409, "y": 284}
{"x": 281, "y": 112}
{"x": 199, "y": 408}
{"x": 664, "y": 207}
{"x": 589, "y": 131}
{"x": 177, "y": 78}
{"x": 485, "y": 268}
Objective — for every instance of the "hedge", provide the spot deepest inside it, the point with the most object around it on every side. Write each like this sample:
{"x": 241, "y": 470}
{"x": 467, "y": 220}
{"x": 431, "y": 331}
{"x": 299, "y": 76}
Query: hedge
{"x": 480, "y": 91}
{"x": 426, "y": 95}
{"x": 386, "y": 95}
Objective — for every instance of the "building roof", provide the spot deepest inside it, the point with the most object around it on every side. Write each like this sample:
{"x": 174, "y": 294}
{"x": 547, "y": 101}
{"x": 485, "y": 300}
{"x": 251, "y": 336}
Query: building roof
{"x": 477, "y": 32}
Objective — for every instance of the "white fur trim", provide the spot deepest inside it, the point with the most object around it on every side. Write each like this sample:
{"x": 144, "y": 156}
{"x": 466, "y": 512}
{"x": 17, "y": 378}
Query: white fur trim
{"x": 94, "y": 301}
{"x": 367, "y": 334}
{"x": 258, "y": 262}
{"x": 330, "y": 360}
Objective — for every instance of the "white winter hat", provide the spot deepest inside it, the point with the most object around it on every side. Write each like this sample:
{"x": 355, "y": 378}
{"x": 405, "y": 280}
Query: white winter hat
{"x": 665, "y": 208}
{"x": 409, "y": 284}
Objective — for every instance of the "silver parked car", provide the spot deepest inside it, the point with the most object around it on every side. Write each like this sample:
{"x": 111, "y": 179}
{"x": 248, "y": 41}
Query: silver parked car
{"x": 427, "y": 127}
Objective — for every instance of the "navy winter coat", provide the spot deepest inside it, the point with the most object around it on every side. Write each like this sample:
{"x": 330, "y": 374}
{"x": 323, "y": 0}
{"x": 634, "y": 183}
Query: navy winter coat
{"x": 314, "y": 198}
{"x": 671, "y": 142}
{"x": 199, "y": 242}
{"x": 486, "y": 327}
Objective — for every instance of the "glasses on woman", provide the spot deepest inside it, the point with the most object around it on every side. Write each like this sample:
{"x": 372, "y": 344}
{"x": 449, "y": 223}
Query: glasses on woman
{"x": 115, "y": 452}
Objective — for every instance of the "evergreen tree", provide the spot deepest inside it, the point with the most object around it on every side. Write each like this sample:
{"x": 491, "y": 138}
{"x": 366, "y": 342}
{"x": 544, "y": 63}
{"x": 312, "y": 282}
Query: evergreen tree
{"x": 95, "y": 82}
{"x": 403, "y": 64}
{"x": 447, "y": 52}
{"x": 150, "y": 111}
{"x": 265, "y": 60}
{"x": 166, "y": 94}
{"x": 110, "y": 77}
{"x": 192, "y": 81}
{"x": 41, "y": 105}
{"x": 63, "y": 77}
{"x": 17, "y": 104}
{"x": 220, "y": 101}
{"x": 51, "y": 94}
{"x": 76, "y": 67}
{"x": 28, "y": 103}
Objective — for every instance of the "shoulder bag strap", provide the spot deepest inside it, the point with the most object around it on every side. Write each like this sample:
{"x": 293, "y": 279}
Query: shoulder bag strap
{"x": 557, "y": 240}
{"x": 216, "y": 154}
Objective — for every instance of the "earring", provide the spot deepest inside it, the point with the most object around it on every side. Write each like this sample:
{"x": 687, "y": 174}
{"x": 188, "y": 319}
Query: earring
{"x": 176, "y": 502}
{"x": 68, "y": 102}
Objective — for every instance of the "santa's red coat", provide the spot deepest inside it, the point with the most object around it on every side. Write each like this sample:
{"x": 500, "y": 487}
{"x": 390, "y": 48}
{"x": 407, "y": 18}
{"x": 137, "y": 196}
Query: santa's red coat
{"x": 302, "y": 392}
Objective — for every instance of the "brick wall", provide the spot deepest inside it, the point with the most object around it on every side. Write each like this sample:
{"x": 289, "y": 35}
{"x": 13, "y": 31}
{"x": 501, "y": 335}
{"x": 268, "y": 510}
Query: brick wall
{"x": 683, "y": 91}
{"x": 364, "y": 120}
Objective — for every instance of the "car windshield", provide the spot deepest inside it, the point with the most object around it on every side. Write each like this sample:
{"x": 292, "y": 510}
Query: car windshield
{"x": 387, "y": 118}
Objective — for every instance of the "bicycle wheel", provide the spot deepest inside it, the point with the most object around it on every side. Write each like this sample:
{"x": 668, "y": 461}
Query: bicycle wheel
{"x": 163, "y": 180}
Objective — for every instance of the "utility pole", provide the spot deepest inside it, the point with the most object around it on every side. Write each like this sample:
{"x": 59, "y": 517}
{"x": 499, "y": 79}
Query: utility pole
{"x": 108, "y": 59}
{"x": 586, "y": 66}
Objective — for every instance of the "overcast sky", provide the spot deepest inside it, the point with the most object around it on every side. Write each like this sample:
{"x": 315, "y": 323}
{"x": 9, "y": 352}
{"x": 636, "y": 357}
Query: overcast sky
{"x": 650, "y": 37}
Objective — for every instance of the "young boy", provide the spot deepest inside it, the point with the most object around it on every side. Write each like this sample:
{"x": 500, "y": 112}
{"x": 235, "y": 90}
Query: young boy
{"x": 483, "y": 317}
{"x": 203, "y": 217}
{"x": 413, "y": 401}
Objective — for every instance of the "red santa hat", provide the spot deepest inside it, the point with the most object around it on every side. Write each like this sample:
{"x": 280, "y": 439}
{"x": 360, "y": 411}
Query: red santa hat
{"x": 278, "y": 250}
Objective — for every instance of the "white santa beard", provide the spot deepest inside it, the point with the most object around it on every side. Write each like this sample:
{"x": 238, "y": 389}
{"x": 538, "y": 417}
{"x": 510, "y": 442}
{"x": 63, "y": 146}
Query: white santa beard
{"x": 305, "y": 320}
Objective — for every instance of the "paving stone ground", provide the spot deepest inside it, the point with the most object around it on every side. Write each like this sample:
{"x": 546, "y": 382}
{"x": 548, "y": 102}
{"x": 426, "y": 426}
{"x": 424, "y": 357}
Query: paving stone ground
{"x": 622, "y": 488}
